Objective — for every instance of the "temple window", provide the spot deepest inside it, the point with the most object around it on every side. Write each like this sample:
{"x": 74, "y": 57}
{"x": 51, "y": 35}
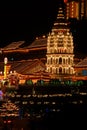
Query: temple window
{"x": 60, "y": 60}
{"x": 60, "y": 70}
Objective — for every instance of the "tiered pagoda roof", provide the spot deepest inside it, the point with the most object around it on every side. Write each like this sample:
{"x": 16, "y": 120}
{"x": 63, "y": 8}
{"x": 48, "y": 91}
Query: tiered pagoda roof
{"x": 14, "y": 45}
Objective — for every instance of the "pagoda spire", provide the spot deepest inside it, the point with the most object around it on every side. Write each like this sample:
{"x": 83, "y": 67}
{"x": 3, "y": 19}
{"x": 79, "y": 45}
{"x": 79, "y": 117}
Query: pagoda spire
{"x": 60, "y": 21}
{"x": 60, "y": 14}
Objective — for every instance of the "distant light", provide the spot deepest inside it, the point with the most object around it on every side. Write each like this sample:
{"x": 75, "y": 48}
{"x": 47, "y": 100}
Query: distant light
{"x": 5, "y": 60}
{"x": 0, "y": 51}
{"x": 36, "y": 38}
{"x": 44, "y": 36}
{"x": 65, "y": 1}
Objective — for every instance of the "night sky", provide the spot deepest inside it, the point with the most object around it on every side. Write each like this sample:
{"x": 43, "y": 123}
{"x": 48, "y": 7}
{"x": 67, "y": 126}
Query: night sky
{"x": 26, "y": 20}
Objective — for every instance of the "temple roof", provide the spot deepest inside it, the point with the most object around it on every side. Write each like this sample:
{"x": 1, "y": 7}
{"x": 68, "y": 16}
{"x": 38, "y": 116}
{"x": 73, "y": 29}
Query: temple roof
{"x": 38, "y": 42}
{"x": 82, "y": 63}
{"x": 26, "y": 67}
{"x": 14, "y": 45}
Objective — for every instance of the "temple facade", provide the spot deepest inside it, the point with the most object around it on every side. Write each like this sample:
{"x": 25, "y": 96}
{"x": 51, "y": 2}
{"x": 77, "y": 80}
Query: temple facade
{"x": 60, "y": 48}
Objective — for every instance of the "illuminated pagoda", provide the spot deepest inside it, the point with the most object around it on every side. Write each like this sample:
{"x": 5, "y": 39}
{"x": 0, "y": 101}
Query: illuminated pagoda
{"x": 60, "y": 48}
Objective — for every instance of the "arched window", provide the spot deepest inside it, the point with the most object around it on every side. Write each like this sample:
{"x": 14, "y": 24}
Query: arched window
{"x": 60, "y": 60}
{"x": 63, "y": 61}
{"x": 60, "y": 70}
{"x": 64, "y": 70}
{"x": 69, "y": 61}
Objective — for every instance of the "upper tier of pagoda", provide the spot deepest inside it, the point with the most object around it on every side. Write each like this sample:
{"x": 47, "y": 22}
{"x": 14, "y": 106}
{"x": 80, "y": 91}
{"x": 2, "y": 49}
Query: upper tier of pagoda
{"x": 61, "y": 22}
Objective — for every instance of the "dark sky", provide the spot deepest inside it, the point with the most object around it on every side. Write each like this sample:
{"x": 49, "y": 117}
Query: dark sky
{"x": 26, "y": 20}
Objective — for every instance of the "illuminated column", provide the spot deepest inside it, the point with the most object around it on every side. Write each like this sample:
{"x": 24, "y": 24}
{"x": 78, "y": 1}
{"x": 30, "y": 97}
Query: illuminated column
{"x": 5, "y": 67}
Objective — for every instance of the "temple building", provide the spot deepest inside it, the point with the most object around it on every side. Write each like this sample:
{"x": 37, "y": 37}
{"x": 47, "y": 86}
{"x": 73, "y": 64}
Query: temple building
{"x": 60, "y": 48}
{"x": 46, "y": 57}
